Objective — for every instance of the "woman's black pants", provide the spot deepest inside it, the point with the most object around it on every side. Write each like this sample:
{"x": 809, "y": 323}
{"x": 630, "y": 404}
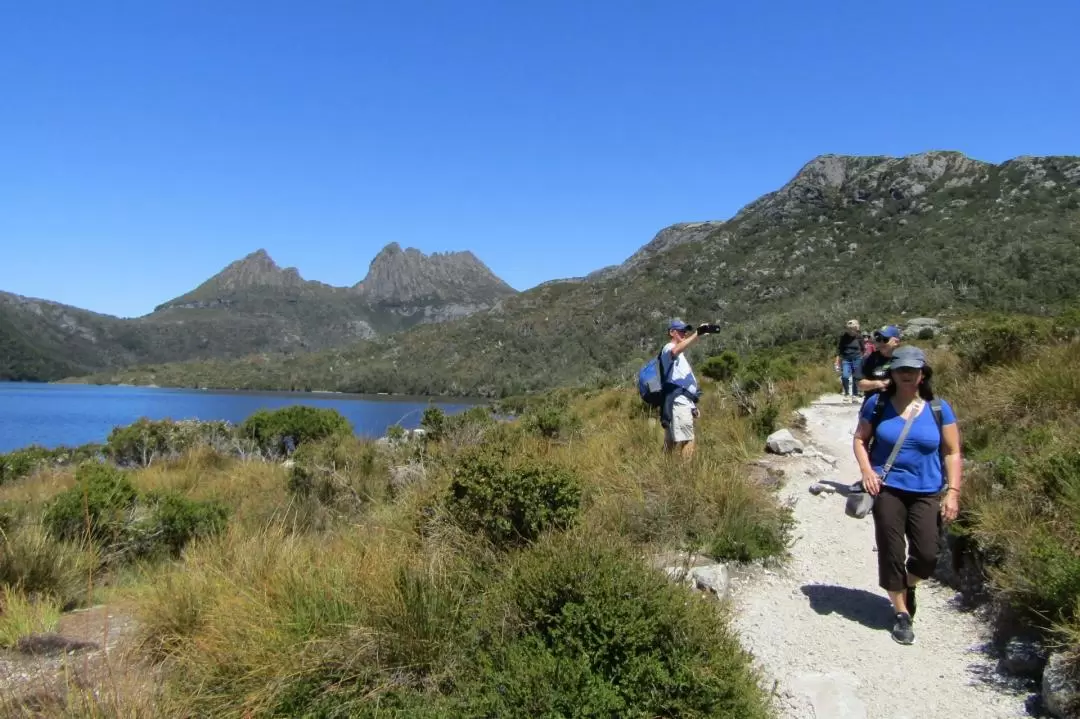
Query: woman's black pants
{"x": 916, "y": 517}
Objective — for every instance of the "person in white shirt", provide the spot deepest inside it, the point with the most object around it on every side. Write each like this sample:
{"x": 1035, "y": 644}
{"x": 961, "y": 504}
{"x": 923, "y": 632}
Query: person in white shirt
{"x": 682, "y": 391}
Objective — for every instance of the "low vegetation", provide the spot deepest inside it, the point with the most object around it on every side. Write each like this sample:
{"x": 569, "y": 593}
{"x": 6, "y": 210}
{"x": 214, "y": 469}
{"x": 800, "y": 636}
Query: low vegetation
{"x": 1016, "y": 387}
{"x": 481, "y": 568}
{"x": 499, "y": 568}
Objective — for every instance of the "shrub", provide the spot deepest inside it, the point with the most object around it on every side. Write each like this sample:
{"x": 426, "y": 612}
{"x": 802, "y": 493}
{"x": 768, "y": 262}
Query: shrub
{"x": 96, "y": 508}
{"x": 748, "y": 539}
{"x": 141, "y": 443}
{"x": 341, "y": 470}
{"x": 434, "y": 422}
{"x": 395, "y": 433}
{"x": 552, "y": 422}
{"x": 280, "y": 432}
{"x": 998, "y": 341}
{"x": 511, "y": 505}
{"x": 580, "y": 627}
{"x": 26, "y": 461}
{"x": 176, "y": 520}
{"x": 721, "y": 367}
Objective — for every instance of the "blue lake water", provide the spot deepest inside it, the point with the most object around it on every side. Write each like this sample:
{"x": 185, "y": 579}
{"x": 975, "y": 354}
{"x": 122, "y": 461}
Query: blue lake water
{"x": 61, "y": 414}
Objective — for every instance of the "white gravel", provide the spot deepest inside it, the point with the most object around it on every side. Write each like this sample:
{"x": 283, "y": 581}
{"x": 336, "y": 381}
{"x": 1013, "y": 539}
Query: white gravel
{"x": 819, "y": 627}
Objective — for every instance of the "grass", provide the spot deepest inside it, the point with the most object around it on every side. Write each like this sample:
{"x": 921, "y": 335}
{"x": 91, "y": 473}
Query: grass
{"x": 21, "y": 616}
{"x": 353, "y": 584}
{"x": 1019, "y": 412}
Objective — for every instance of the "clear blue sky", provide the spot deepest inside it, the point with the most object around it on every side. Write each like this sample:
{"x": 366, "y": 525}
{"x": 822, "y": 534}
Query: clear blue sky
{"x": 145, "y": 145}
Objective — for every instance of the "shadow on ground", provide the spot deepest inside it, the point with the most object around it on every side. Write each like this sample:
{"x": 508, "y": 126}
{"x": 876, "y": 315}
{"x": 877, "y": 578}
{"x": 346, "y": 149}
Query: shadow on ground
{"x": 873, "y": 611}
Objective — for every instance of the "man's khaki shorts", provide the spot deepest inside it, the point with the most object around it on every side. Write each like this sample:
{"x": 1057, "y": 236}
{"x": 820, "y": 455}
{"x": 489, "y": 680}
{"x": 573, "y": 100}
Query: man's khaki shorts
{"x": 681, "y": 428}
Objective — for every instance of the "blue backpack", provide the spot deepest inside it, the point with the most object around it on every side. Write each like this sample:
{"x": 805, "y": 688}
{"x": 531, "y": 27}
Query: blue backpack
{"x": 650, "y": 382}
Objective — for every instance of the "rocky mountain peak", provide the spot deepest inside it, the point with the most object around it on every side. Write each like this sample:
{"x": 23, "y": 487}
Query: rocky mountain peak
{"x": 401, "y": 276}
{"x": 255, "y": 270}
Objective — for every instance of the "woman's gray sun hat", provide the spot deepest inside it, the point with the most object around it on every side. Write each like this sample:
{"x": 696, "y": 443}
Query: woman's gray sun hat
{"x": 907, "y": 357}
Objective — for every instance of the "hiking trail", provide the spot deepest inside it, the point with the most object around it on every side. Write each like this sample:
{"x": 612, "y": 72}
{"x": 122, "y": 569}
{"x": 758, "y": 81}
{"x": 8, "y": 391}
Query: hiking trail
{"x": 819, "y": 625}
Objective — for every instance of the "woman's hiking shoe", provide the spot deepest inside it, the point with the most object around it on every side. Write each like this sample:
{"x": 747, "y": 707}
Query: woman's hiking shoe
{"x": 909, "y": 600}
{"x": 902, "y": 631}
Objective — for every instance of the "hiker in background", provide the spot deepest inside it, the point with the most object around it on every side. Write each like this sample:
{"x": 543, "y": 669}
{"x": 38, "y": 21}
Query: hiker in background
{"x": 915, "y": 486}
{"x": 868, "y": 345}
{"x": 849, "y": 356}
{"x": 681, "y": 389}
{"x": 873, "y": 374}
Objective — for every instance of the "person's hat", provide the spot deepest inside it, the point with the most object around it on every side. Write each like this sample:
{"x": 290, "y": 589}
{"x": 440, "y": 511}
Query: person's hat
{"x": 853, "y": 324}
{"x": 888, "y": 332}
{"x": 677, "y": 324}
{"x": 908, "y": 357}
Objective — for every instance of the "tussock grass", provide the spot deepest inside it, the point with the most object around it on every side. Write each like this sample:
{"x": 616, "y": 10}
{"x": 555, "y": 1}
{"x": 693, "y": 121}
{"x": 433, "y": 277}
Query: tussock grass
{"x": 1021, "y": 428}
{"x": 22, "y": 616}
{"x": 350, "y": 584}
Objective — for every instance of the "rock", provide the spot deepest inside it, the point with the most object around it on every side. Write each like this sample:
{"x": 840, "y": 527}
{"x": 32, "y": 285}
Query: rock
{"x": 1060, "y": 688}
{"x": 922, "y": 328}
{"x": 51, "y": 645}
{"x": 815, "y": 452}
{"x": 783, "y": 442}
{"x": 714, "y": 578}
{"x": 1022, "y": 657}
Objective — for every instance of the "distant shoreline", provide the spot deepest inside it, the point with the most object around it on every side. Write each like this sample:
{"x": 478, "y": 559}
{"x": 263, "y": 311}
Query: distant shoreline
{"x": 328, "y": 394}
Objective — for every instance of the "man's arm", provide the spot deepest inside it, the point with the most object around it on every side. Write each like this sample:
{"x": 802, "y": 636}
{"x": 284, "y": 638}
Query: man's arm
{"x": 869, "y": 385}
{"x": 682, "y": 345}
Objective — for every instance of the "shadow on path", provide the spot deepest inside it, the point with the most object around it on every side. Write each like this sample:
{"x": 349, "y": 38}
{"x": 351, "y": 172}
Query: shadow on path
{"x": 873, "y": 611}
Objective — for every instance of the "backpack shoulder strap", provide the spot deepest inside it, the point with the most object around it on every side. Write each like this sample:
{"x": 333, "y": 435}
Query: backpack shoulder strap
{"x": 935, "y": 407}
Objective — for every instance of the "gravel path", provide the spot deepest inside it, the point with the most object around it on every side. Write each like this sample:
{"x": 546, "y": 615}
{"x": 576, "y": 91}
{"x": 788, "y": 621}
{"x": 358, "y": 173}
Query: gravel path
{"x": 820, "y": 626}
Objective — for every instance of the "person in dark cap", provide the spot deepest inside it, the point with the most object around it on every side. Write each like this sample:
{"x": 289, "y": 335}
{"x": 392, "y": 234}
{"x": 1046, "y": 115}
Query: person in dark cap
{"x": 681, "y": 388}
{"x": 907, "y": 445}
{"x": 873, "y": 373}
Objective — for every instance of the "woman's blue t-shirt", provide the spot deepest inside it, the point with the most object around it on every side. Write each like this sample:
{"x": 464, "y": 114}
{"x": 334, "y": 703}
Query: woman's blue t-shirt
{"x": 918, "y": 465}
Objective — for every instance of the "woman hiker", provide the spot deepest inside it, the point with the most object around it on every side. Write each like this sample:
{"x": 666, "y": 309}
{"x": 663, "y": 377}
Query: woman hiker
{"x": 921, "y": 485}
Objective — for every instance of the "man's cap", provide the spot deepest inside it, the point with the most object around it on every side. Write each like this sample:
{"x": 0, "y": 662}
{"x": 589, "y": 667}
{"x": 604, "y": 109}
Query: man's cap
{"x": 888, "y": 332}
{"x": 908, "y": 357}
{"x": 853, "y": 324}
{"x": 677, "y": 324}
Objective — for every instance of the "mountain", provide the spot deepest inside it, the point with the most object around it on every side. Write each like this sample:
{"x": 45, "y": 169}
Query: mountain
{"x": 442, "y": 285}
{"x": 251, "y": 306}
{"x": 869, "y": 237}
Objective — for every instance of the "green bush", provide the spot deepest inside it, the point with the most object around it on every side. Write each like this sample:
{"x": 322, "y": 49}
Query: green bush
{"x": 97, "y": 508}
{"x": 176, "y": 520}
{"x": 999, "y": 341}
{"x": 721, "y": 367}
{"x": 511, "y": 505}
{"x": 280, "y": 432}
{"x": 341, "y": 471}
{"x": 141, "y": 443}
{"x": 552, "y": 422}
{"x": 752, "y": 538}
{"x": 24, "y": 462}
{"x": 434, "y": 423}
{"x": 583, "y": 628}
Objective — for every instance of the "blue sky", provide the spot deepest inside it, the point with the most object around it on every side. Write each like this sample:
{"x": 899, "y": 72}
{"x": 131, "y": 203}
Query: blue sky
{"x": 145, "y": 145}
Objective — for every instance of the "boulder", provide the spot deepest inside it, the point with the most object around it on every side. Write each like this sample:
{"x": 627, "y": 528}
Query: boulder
{"x": 783, "y": 442}
{"x": 1022, "y": 657}
{"x": 713, "y": 578}
{"x": 1060, "y": 688}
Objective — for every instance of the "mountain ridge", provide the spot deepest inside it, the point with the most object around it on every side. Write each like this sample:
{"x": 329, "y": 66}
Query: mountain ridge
{"x": 251, "y": 305}
{"x": 871, "y": 235}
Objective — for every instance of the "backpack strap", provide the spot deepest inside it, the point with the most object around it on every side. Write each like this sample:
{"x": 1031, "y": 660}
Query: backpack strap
{"x": 935, "y": 407}
{"x": 875, "y": 419}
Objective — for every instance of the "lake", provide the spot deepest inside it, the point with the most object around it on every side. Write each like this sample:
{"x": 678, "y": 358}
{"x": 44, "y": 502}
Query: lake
{"x": 52, "y": 415}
